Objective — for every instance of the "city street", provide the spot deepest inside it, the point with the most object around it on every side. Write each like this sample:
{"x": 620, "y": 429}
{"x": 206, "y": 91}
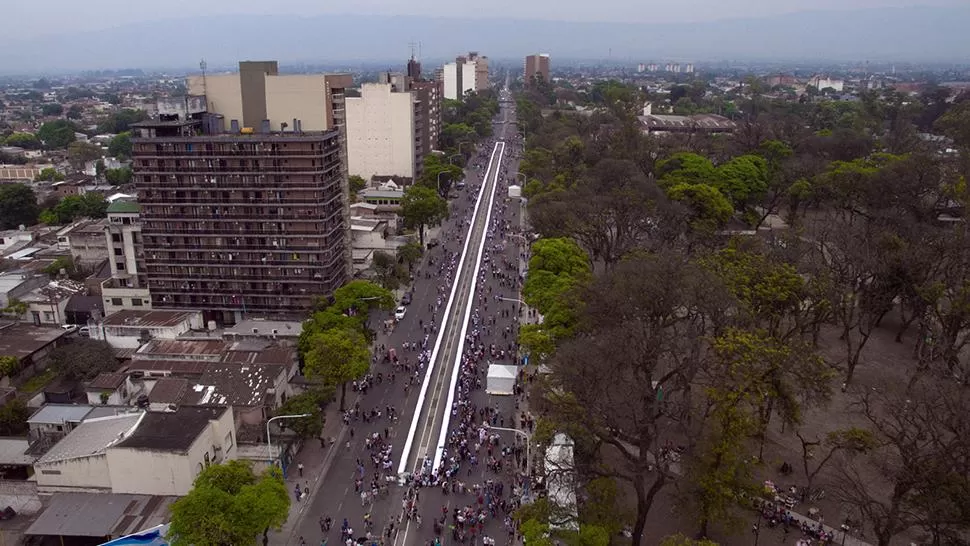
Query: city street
{"x": 434, "y": 296}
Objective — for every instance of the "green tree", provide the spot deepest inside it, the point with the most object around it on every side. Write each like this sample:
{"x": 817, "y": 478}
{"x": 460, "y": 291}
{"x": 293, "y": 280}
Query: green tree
{"x": 13, "y": 418}
{"x": 438, "y": 169}
{"x": 710, "y": 210}
{"x": 230, "y": 506}
{"x": 118, "y": 177}
{"x": 743, "y": 179}
{"x": 83, "y": 359}
{"x": 409, "y": 253}
{"x": 79, "y": 153}
{"x": 337, "y": 356}
{"x": 359, "y": 297}
{"x": 49, "y": 174}
{"x": 312, "y": 401}
{"x": 75, "y": 112}
{"x": 15, "y": 307}
{"x": 121, "y": 121}
{"x": 686, "y": 167}
{"x": 18, "y": 205}
{"x": 422, "y": 207}
{"x": 357, "y": 183}
{"x": 52, "y": 109}
{"x": 120, "y": 145}
{"x": 26, "y": 141}
{"x": 89, "y": 205}
{"x": 8, "y": 365}
{"x": 57, "y": 134}
{"x": 386, "y": 269}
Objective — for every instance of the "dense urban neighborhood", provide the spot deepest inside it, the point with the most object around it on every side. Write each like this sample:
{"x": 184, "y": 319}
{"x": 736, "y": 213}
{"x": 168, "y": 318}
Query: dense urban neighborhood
{"x": 479, "y": 300}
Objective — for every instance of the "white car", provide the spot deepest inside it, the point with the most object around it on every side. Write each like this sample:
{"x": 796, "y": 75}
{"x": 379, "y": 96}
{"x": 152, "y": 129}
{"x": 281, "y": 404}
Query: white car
{"x": 400, "y": 312}
{"x": 69, "y": 328}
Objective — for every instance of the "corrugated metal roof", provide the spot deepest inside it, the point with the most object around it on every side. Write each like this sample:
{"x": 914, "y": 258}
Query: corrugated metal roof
{"x": 100, "y": 514}
{"x": 57, "y": 414}
{"x": 92, "y": 437}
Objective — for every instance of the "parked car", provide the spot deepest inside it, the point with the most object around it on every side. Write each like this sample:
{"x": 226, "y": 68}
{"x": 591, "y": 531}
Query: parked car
{"x": 84, "y": 331}
{"x": 433, "y": 243}
{"x": 400, "y": 312}
{"x": 69, "y": 328}
{"x": 406, "y": 299}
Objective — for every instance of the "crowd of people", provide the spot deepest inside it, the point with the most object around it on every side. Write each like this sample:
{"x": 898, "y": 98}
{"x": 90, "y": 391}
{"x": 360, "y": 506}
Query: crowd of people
{"x": 479, "y": 469}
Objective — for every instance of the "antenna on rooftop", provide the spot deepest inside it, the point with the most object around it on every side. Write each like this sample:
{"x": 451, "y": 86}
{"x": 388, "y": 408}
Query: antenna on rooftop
{"x": 412, "y": 45}
{"x": 202, "y": 66}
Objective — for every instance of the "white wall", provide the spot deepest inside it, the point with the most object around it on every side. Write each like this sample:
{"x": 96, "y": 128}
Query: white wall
{"x": 468, "y": 75}
{"x": 223, "y": 93}
{"x": 151, "y": 472}
{"x": 300, "y": 96}
{"x": 380, "y": 132}
{"x": 80, "y": 474}
{"x": 451, "y": 81}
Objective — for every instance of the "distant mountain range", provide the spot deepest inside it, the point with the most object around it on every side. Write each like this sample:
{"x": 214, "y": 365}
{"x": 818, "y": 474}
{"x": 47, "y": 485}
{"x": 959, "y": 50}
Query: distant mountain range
{"x": 889, "y": 34}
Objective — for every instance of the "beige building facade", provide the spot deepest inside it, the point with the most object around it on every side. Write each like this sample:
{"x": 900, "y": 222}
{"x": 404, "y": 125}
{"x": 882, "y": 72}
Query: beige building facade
{"x": 381, "y": 132}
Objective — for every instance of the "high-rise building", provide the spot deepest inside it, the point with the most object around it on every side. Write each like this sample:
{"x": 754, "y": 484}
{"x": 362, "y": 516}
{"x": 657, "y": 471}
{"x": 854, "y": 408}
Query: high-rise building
{"x": 127, "y": 288}
{"x": 383, "y": 137}
{"x": 428, "y": 95}
{"x": 249, "y": 219}
{"x": 536, "y": 66}
{"x": 467, "y": 73}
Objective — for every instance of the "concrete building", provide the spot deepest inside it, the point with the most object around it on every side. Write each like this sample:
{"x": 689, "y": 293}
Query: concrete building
{"x": 87, "y": 242}
{"x": 152, "y": 453}
{"x": 258, "y": 92}
{"x": 428, "y": 93}
{"x": 127, "y": 287}
{"x": 252, "y": 220}
{"x": 383, "y": 138}
{"x": 467, "y": 73}
{"x": 823, "y": 82}
{"x": 537, "y": 66}
{"x": 129, "y": 328}
{"x": 48, "y": 304}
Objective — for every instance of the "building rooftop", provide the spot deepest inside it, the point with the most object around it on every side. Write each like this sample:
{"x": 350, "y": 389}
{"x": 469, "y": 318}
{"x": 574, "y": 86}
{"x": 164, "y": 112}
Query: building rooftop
{"x": 55, "y": 291}
{"x": 100, "y": 515}
{"x": 13, "y": 451}
{"x": 124, "y": 207}
{"x": 107, "y": 381}
{"x": 58, "y": 414}
{"x": 147, "y": 319}
{"x": 22, "y": 340}
{"x": 171, "y": 431}
{"x": 700, "y": 121}
{"x": 200, "y": 349}
{"x": 92, "y": 437}
{"x": 174, "y": 367}
{"x": 265, "y": 328}
{"x": 233, "y": 385}
{"x": 168, "y": 390}
{"x": 259, "y": 351}
{"x": 380, "y": 194}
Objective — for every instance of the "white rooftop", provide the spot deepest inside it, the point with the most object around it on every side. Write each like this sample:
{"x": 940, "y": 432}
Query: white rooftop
{"x": 93, "y": 437}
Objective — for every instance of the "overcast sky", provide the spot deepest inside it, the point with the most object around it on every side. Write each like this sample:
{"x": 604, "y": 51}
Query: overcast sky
{"x": 37, "y": 17}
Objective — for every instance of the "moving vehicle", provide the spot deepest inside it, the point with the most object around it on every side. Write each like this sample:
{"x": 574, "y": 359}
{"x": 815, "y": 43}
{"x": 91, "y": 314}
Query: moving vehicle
{"x": 84, "y": 331}
{"x": 400, "y": 312}
{"x": 406, "y": 299}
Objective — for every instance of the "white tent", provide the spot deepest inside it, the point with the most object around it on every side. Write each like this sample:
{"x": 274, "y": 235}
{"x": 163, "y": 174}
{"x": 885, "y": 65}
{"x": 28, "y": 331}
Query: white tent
{"x": 501, "y": 379}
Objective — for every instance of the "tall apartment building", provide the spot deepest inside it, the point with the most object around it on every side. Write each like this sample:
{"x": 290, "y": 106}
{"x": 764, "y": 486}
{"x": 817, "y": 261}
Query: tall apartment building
{"x": 383, "y": 130}
{"x": 536, "y": 66}
{"x": 467, "y": 73}
{"x": 393, "y": 125}
{"x": 127, "y": 288}
{"x": 249, "y": 219}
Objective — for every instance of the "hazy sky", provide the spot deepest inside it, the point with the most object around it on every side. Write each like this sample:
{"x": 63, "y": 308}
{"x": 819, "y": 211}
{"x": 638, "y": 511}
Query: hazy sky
{"x": 36, "y": 17}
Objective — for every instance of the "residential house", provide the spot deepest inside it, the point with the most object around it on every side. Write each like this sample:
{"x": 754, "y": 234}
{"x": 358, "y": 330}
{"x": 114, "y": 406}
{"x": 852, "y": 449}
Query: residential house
{"x": 17, "y": 284}
{"x": 48, "y": 304}
{"x": 87, "y": 242}
{"x": 114, "y": 389}
{"x": 30, "y": 344}
{"x": 150, "y": 453}
{"x": 129, "y": 329}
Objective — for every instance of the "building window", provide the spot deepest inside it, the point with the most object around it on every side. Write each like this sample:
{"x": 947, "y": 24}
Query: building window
{"x": 51, "y": 472}
{"x": 228, "y": 442}
{"x": 48, "y": 316}
{"x": 115, "y": 237}
{"x": 120, "y": 266}
{"x": 136, "y": 302}
{"x": 117, "y": 252}
{"x": 117, "y": 302}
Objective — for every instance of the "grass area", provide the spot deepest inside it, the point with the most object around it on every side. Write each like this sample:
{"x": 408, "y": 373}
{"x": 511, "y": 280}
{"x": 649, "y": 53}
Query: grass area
{"x": 38, "y": 381}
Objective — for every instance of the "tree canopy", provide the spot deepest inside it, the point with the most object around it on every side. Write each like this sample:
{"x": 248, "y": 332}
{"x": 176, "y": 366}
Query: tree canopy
{"x": 57, "y": 134}
{"x": 18, "y": 205}
{"x": 422, "y": 207}
{"x": 229, "y": 505}
{"x": 83, "y": 359}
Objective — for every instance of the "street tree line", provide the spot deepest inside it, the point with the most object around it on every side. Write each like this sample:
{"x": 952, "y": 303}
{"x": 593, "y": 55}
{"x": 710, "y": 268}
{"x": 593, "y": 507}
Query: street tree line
{"x": 668, "y": 331}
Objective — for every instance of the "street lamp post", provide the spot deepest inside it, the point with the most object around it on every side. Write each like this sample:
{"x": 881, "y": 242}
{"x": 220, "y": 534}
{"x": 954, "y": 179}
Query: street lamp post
{"x": 525, "y": 179}
{"x": 528, "y": 448}
{"x": 269, "y": 439}
{"x": 462, "y": 143}
{"x": 513, "y": 299}
{"x": 439, "y": 180}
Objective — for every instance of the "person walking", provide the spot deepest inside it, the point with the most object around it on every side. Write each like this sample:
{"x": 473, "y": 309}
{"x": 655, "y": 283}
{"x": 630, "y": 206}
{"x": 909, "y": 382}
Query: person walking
{"x": 299, "y": 468}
